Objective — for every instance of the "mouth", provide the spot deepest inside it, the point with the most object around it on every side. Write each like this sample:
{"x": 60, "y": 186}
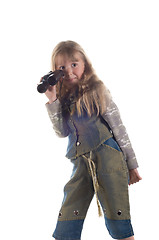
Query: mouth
{"x": 72, "y": 79}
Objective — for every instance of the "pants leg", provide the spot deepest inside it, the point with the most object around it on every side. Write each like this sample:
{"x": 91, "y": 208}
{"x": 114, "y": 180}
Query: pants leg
{"x": 78, "y": 194}
{"x": 112, "y": 174}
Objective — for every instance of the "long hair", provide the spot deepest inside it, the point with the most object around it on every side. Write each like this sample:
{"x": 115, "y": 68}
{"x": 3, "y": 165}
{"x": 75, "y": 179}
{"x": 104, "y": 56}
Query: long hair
{"x": 91, "y": 93}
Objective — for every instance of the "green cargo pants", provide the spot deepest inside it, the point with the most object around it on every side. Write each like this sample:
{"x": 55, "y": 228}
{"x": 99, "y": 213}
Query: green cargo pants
{"x": 112, "y": 176}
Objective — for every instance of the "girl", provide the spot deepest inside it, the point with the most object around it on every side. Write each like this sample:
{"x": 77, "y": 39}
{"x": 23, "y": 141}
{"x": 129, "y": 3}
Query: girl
{"x": 81, "y": 108}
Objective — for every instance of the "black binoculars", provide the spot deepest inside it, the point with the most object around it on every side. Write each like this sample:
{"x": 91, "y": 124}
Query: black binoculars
{"x": 49, "y": 79}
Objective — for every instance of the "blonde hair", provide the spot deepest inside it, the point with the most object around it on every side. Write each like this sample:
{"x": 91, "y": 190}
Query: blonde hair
{"x": 92, "y": 94}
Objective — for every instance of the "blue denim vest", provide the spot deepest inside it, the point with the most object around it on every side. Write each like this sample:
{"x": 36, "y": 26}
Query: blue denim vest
{"x": 86, "y": 133}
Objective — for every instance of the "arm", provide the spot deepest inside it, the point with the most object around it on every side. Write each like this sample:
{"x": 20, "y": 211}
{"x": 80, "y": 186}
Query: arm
{"x": 55, "y": 112}
{"x": 56, "y": 116}
{"x": 112, "y": 117}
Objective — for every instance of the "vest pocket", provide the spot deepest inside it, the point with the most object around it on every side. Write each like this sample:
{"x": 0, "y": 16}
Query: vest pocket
{"x": 112, "y": 143}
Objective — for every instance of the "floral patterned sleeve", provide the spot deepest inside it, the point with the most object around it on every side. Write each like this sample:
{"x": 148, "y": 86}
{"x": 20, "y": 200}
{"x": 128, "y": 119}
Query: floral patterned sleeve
{"x": 57, "y": 118}
{"x": 112, "y": 117}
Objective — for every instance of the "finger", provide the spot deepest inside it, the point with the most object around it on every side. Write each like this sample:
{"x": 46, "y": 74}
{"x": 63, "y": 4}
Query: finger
{"x": 134, "y": 180}
{"x": 50, "y": 88}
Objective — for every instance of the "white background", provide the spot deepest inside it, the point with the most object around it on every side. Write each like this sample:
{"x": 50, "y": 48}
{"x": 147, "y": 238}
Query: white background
{"x": 122, "y": 40}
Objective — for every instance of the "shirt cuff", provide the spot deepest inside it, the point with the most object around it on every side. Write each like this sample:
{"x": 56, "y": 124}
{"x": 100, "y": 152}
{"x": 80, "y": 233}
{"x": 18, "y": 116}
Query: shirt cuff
{"x": 53, "y": 107}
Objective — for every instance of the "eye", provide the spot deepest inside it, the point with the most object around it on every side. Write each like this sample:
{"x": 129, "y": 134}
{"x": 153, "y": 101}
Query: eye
{"x": 62, "y": 67}
{"x": 74, "y": 65}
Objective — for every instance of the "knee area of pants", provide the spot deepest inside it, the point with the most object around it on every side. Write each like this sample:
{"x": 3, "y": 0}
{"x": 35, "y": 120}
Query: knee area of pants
{"x": 68, "y": 230}
{"x": 119, "y": 229}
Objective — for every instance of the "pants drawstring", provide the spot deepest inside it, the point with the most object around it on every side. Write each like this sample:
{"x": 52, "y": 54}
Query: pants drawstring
{"x": 94, "y": 178}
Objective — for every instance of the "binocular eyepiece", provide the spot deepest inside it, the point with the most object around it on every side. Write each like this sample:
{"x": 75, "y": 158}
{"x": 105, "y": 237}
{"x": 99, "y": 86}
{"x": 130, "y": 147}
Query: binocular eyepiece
{"x": 49, "y": 79}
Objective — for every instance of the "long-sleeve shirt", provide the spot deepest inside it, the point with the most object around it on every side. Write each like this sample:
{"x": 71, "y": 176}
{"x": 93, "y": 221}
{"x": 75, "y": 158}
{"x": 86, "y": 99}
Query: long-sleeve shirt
{"x": 112, "y": 119}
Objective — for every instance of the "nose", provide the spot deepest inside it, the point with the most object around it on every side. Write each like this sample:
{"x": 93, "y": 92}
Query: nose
{"x": 69, "y": 71}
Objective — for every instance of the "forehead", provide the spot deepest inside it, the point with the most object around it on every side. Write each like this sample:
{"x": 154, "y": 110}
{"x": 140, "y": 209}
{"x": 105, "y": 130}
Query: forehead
{"x": 62, "y": 59}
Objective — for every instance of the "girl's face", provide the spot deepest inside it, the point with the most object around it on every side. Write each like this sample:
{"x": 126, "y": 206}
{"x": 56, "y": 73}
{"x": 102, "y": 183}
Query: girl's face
{"x": 73, "y": 67}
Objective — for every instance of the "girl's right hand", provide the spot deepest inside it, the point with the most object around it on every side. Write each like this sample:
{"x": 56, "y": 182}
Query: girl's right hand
{"x": 51, "y": 94}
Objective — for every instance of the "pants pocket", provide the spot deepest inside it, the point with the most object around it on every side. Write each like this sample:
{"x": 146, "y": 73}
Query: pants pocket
{"x": 112, "y": 143}
{"x": 110, "y": 158}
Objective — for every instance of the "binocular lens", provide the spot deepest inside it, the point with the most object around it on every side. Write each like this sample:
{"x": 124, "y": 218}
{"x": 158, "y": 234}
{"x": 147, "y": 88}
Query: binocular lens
{"x": 42, "y": 87}
{"x": 50, "y": 79}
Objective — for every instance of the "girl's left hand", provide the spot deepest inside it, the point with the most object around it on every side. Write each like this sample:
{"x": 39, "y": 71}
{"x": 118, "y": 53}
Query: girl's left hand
{"x": 134, "y": 176}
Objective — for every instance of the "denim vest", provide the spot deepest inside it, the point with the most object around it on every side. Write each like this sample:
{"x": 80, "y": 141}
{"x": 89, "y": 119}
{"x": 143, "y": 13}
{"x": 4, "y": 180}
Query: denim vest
{"x": 86, "y": 133}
